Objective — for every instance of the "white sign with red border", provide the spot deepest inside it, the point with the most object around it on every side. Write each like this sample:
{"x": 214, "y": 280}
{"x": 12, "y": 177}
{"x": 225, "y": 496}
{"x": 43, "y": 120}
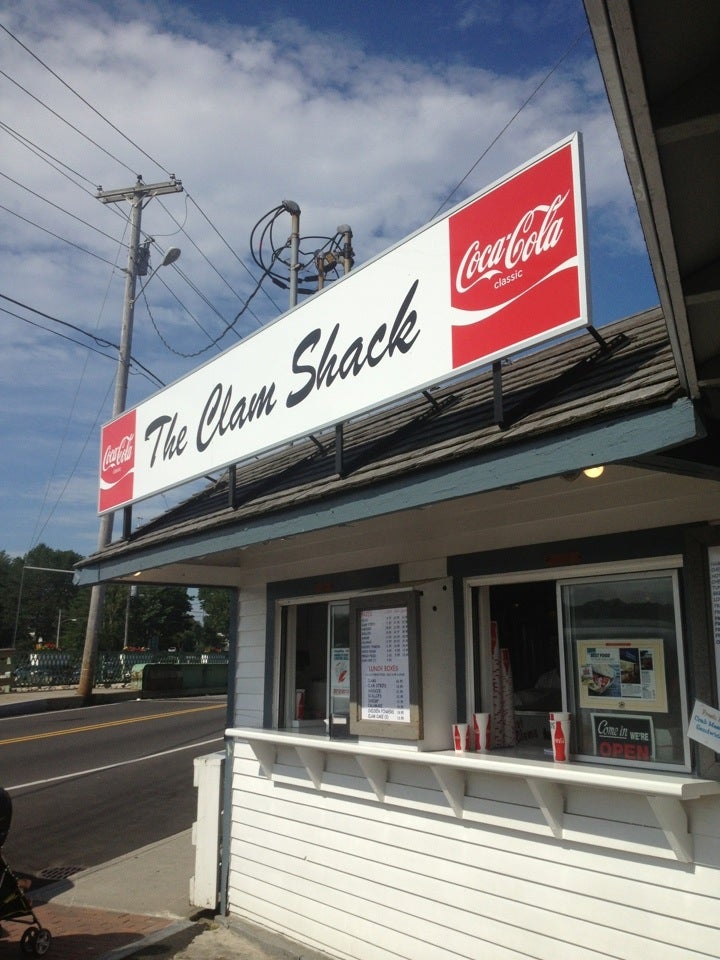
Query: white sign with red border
{"x": 500, "y": 273}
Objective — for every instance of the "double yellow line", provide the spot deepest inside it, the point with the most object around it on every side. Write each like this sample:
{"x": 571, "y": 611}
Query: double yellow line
{"x": 109, "y": 723}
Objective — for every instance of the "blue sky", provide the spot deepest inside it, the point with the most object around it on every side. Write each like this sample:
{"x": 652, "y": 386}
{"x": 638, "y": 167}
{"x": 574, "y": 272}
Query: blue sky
{"x": 364, "y": 113}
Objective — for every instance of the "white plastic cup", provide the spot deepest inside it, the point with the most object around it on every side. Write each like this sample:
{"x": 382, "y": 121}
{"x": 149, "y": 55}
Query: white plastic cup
{"x": 460, "y": 737}
{"x": 482, "y": 728}
{"x": 560, "y": 736}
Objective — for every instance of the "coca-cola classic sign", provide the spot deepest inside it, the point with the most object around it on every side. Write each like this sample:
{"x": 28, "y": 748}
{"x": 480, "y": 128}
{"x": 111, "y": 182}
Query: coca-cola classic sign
{"x": 515, "y": 260}
{"x": 117, "y": 461}
{"x": 502, "y": 272}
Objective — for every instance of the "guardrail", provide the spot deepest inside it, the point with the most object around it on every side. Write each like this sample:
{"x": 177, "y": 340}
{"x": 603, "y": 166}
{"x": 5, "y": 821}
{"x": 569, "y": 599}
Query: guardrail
{"x": 38, "y": 670}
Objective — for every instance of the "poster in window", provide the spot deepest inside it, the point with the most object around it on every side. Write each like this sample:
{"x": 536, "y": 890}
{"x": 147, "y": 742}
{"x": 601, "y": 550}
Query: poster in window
{"x": 622, "y": 675}
{"x": 340, "y": 679}
{"x": 384, "y": 641}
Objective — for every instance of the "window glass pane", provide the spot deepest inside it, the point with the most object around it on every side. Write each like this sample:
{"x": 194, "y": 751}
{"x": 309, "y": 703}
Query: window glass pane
{"x": 623, "y": 644}
{"x": 306, "y": 666}
{"x": 339, "y": 671}
{"x": 526, "y": 617}
{"x": 523, "y": 618}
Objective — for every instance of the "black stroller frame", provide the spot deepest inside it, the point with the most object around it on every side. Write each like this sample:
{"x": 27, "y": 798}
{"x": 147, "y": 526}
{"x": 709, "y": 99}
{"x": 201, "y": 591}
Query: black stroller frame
{"x": 15, "y": 906}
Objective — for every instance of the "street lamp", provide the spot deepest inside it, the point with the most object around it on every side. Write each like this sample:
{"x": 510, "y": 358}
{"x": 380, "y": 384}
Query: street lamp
{"x": 60, "y": 620}
{"x": 171, "y": 256}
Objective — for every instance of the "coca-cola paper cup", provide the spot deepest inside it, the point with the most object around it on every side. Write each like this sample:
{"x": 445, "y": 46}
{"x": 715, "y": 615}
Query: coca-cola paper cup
{"x": 299, "y": 704}
{"x": 483, "y": 732}
{"x": 560, "y": 736}
{"x": 460, "y": 737}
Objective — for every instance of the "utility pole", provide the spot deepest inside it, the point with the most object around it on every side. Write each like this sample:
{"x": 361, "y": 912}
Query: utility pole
{"x": 137, "y": 196}
{"x": 294, "y": 210}
{"x": 348, "y": 253}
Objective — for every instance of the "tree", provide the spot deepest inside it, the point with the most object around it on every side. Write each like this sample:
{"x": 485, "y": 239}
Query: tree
{"x": 41, "y": 589}
{"x": 146, "y": 616}
{"x": 215, "y": 603}
{"x": 10, "y": 573}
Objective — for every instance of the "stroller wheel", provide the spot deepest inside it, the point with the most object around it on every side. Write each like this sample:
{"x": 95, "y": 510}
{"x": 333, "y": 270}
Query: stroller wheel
{"x": 36, "y": 941}
{"x": 27, "y": 941}
{"x": 42, "y": 942}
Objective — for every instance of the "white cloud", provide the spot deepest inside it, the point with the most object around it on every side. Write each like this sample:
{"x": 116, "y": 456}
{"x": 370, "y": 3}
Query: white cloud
{"x": 245, "y": 119}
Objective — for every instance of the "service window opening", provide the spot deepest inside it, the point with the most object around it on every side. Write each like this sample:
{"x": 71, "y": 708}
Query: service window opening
{"x": 314, "y": 667}
{"x": 608, "y": 648}
{"x": 523, "y": 618}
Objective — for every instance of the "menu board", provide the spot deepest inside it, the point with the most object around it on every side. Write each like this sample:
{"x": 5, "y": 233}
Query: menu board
{"x": 384, "y": 665}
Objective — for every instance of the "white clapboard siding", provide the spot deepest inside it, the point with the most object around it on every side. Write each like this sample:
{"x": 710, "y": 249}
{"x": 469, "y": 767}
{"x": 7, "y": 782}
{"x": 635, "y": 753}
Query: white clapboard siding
{"x": 677, "y": 878}
{"x": 250, "y": 672}
{"x": 366, "y": 880}
{"x": 469, "y": 883}
{"x": 472, "y": 848}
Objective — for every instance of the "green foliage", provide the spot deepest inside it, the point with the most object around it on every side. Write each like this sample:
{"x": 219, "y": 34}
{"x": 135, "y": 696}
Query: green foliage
{"x": 10, "y": 572}
{"x": 45, "y": 603}
{"x": 146, "y": 616}
{"x": 37, "y": 595}
{"x": 215, "y": 603}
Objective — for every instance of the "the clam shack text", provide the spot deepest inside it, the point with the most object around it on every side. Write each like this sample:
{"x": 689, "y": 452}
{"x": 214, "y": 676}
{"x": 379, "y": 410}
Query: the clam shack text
{"x": 317, "y": 363}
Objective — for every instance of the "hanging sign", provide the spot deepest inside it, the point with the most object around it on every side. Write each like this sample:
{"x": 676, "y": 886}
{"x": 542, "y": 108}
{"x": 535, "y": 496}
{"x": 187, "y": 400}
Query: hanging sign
{"x": 704, "y": 726}
{"x": 623, "y": 736}
{"x": 502, "y": 272}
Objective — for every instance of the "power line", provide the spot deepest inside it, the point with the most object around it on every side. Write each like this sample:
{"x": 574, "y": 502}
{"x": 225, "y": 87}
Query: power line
{"x": 22, "y": 186}
{"x": 80, "y": 97}
{"x": 40, "y": 527}
{"x": 56, "y": 333}
{"x": 67, "y": 122}
{"x": 144, "y": 153}
{"x": 225, "y": 242}
{"x": 57, "y": 207}
{"x": 512, "y": 119}
{"x": 42, "y": 154}
{"x": 100, "y": 341}
{"x": 228, "y": 327}
{"x": 181, "y": 229}
{"x": 54, "y": 163}
{"x": 56, "y": 235}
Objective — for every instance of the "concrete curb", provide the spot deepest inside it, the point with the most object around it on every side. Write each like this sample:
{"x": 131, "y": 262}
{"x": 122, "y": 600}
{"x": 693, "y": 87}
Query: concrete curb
{"x": 43, "y": 703}
{"x": 159, "y": 937}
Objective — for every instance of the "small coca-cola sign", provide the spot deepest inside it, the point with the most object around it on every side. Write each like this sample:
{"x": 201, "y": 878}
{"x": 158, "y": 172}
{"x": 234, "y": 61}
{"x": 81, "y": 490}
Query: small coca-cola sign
{"x": 515, "y": 264}
{"x": 117, "y": 462}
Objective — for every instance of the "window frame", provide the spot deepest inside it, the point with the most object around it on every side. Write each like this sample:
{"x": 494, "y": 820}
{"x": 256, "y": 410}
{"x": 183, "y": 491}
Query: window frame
{"x": 284, "y": 645}
{"x": 561, "y": 575}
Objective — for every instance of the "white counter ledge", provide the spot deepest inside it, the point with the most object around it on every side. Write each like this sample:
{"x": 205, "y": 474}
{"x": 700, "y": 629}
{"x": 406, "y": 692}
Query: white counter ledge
{"x": 666, "y": 793}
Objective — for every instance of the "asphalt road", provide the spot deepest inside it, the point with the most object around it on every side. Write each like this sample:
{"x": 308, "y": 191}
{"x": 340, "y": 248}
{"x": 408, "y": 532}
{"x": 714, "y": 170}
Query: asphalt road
{"x": 91, "y": 784}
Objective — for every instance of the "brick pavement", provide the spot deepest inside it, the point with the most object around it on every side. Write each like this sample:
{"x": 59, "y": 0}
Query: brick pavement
{"x": 79, "y": 933}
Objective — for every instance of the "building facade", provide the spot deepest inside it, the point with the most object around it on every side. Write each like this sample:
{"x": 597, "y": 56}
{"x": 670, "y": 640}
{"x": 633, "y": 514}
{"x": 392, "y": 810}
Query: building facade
{"x": 447, "y": 556}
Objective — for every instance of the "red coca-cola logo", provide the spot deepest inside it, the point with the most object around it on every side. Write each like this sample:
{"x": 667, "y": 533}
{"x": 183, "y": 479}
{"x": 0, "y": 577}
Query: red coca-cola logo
{"x": 514, "y": 265}
{"x": 117, "y": 462}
